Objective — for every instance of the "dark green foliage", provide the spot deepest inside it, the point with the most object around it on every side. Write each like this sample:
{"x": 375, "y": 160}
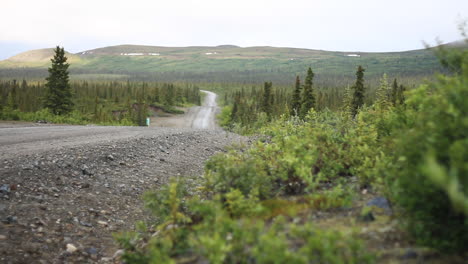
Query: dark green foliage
{"x": 296, "y": 98}
{"x": 358, "y": 91}
{"x": 400, "y": 97}
{"x": 432, "y": 157}
{"x": 397, "y": 94}
{"x": 308, "y": 96}
{"x": 58, "y": 98}
{"x": 142, "y": 109}
{"x": 267, "y": 101}
{"x": 12, "y": 100}
{"x": 395, "y": 90}
{"x": 452, "y": 57}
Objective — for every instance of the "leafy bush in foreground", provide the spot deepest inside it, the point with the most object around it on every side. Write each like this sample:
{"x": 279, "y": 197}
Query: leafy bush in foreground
{"x": 431, "y": 170}
{"x": 230, "y": 230}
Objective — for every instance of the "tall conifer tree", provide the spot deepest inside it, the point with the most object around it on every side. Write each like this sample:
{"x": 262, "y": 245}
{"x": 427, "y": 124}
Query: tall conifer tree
{"x": 394, "y": 92}
{"x": 296, "y": 100}
{"x": 384, "y": 99}
{"x": 401, "y": 95}
{"x": 359, "y": 90}
{"x": 58, "y": 96}
{"x": 308, "y": 97}
{"x": 267, "y": 98}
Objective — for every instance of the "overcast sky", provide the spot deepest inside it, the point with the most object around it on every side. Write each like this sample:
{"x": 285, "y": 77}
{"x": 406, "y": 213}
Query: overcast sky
{"x": 340, "y": 25}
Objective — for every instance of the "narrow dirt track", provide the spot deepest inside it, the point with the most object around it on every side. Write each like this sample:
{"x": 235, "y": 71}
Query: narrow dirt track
{"x": 76, "y": 185}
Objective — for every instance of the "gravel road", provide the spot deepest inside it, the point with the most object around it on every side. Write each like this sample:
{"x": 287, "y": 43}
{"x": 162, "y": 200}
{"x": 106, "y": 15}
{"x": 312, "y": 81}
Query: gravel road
{"x": 65, "y": 189}
{"x": 198, "y": 117}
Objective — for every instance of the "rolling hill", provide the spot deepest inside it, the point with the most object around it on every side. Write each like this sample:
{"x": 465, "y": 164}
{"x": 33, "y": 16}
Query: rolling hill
{"x": 225, "y": 63}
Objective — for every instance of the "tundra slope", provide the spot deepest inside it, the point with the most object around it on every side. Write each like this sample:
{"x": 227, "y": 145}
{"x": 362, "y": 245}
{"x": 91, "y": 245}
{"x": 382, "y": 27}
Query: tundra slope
{"x": 66, "y": 189}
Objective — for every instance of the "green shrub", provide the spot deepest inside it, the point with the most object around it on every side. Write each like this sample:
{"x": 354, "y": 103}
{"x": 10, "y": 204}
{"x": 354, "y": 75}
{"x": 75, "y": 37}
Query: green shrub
{"x": 224, "y": 117}
{"x": 431, "y": 164}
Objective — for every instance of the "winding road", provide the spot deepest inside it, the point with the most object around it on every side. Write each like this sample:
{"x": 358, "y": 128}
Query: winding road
{"x": 204, "y": 117}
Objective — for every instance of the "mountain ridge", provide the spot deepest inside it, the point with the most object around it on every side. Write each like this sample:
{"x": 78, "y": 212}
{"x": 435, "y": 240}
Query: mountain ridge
{"x": 228, "y": 63}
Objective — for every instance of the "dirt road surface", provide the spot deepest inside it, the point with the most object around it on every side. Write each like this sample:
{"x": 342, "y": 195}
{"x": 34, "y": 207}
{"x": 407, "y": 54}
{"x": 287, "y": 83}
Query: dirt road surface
{"x": 65, "y": 189}
{"x": 198, "y": 117}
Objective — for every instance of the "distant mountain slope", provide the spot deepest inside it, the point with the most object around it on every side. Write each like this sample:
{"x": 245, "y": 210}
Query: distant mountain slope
{"x": 37, "y": 58}
{"x": 227, "y": 63}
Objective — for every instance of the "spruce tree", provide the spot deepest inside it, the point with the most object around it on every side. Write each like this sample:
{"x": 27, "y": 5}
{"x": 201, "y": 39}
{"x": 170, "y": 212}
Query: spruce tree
{"x": 394, "y": 92}
{"x": 383, "y": 93}
{"x": 58, "y": 96}
{"x": 267, "y": 98}
{"x": 142, "y": 109}
{"x": 400, "y": 97}
{"x": 308, "y": 97}
{"x": 347, "y": 100}
{"x": 359, "y": 90}
{"x": 296, "y": 100}
{"x": 235, "y": 107}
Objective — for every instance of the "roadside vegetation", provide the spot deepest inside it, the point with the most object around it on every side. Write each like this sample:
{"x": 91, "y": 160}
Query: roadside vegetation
{"x": 355, "y": 180}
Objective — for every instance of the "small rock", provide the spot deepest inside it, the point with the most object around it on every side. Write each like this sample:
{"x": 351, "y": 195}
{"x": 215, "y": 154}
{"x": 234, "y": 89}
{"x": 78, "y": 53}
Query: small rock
{"x": 71, "y": 248}
{"x": 381, "y": 202}
{"x": 83, "y": 223}
{"x": 118, "y": 254}
{"x": 385, "y": 229}
{"x": 162, "y": 159}
{"x": 85, "y": 170}
{"x": 85, "y": 185}
{"x": 5, "y": 189}
{"x": 91, "y": 251}
{"x": 110, "y": 157}
{"x": 10, "y": 220}
{"x": 3, "y": 237}
{"x": 409, "y": 254}
{"x": 103, "y": 223}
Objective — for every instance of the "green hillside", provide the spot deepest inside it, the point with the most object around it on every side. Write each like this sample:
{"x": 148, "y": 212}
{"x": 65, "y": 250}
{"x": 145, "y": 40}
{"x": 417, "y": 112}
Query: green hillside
{"x": 225, "y": 63}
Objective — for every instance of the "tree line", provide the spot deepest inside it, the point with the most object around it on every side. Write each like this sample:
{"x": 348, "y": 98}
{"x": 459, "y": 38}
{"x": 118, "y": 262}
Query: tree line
{"x": 100, "y": 102}
{"x": 256, "y": 106}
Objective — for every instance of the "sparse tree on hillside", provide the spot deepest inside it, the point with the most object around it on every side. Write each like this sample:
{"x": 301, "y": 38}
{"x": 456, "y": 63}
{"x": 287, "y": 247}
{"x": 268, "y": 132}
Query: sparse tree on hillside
{"x": 142, "y": 109}
{"x": 394, "y": 92}
{"x": 359, "y": 90}
{"x": 296, "y": 99}
{"x": 347, "y": 100}
{"x": 267, "y": 98}
{"x": 383, "y": 93}
{"x": 308, "y": 97}
{"x": 12, "y": 100}
{"x": 58, "y": 96}
{"x": 400, "y": 97}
